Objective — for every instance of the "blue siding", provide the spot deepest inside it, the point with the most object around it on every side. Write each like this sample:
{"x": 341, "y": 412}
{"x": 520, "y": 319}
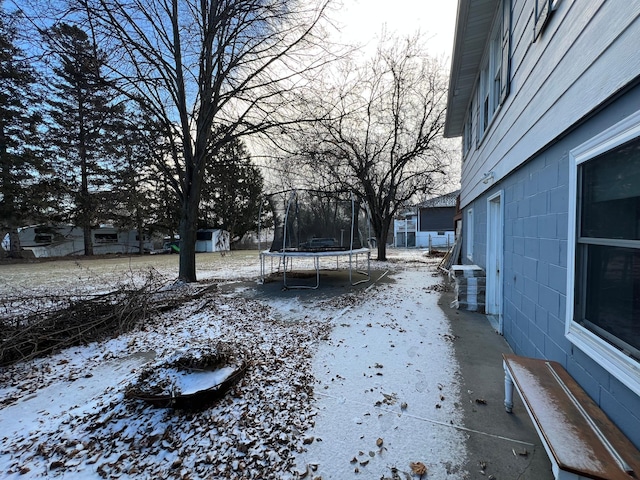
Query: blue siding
{"x": 536, "y": 203}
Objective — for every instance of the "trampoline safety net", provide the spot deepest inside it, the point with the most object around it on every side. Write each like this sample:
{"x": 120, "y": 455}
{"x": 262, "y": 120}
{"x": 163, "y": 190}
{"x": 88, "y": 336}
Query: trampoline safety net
{"x": 317, "y": 222}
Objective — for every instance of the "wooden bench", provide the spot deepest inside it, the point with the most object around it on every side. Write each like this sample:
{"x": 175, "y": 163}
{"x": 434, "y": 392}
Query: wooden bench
{"x": 580, "y": 440}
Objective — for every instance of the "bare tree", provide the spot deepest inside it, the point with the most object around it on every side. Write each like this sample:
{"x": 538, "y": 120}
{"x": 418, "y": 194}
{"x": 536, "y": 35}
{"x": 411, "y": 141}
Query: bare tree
{"x": 381, "y": 134}
{"x": 201, "y": 66}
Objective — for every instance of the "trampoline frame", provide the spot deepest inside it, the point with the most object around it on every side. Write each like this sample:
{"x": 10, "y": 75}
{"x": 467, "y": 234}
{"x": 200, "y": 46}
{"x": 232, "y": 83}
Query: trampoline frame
{"x": 288, "y": 256}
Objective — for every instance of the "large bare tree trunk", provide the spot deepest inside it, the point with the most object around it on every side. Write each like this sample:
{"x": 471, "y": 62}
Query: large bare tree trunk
{"x": 382, "y": 241}
{"x": 187, "y": 268}
{"x": 382, "y": 250}
{"x": 188, "y": 232}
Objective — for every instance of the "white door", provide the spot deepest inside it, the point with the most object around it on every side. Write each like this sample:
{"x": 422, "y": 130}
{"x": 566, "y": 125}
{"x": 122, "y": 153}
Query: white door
{"x": 495, "y": 232}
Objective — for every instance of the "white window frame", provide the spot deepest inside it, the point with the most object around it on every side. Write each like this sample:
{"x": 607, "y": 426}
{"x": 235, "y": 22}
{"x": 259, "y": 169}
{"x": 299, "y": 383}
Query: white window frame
{"x": 467, "y": 142}
{"x": 621, "y": 366}
{"x": 493, "y": 82}
{"x": 469, "y": 232}
{"x": 495, "y": 70}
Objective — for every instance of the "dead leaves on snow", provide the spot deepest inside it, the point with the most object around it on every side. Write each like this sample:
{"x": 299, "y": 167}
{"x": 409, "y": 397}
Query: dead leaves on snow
{"x": 254, "y": 432}
{"x": 389, "y": 399}
{"x": 418, "y": 468}
{"x": 362, "y": 459}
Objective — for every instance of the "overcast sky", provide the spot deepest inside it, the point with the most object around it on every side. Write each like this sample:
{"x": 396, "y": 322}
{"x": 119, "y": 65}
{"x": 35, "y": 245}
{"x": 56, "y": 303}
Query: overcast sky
{"x": 363, "y": 21}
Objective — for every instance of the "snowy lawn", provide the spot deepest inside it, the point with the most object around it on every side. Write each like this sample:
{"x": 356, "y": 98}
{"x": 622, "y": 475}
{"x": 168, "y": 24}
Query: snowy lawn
{"x": 358, "y": 383}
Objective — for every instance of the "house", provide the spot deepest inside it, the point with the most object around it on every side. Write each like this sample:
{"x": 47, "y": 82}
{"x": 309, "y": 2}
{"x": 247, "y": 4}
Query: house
{"x": 429, "y": 224}
{"x": 545, "y": 95}
{"x": 212, "y": 240}
{"x": 63, "y": 240}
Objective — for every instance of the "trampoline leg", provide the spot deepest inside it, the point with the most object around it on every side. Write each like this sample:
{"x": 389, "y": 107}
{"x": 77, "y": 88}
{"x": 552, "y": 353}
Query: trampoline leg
{"x": 367, "y": 273}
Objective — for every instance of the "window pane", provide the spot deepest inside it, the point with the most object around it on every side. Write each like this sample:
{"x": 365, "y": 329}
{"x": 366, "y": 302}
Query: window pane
{"x": 610, "y": 186}
{"x": 106, "y": 237}
{"x": 204, "y": 236}
{"x": 612, "y": 293}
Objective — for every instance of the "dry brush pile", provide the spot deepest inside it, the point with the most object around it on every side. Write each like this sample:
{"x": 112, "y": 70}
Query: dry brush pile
{"x": 35, "y": 324}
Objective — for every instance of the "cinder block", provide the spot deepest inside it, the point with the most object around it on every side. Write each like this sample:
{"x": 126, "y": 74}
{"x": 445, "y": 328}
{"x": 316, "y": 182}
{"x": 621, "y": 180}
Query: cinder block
{"x": 470, "y": 287}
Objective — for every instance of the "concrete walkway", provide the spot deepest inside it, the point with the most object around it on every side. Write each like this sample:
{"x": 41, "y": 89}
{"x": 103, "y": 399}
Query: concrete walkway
{"x": 405, "y": 378}
{"x": 499, "y": 445}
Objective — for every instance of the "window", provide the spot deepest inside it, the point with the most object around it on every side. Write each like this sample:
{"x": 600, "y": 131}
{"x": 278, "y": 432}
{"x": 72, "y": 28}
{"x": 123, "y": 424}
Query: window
{"x": 603, "y": 304}
{"x": 608, "y": 247}
{"x": 42, "y": 238}
{"x": 493, "y": 84}
{"x": 469, "y": 232}
{"x": 204, "y": 236}
{"x": 106, "y": 237}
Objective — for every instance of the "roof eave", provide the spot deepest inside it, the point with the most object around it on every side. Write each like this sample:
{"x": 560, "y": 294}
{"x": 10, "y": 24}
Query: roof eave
{"x": 473, "y": 25}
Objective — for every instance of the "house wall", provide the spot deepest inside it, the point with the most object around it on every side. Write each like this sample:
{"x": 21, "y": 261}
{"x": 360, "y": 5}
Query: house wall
{"x": 439, "y": 219}
{"x": 67, "y": 240}
{"x": 407, "y": 234}
{"x": 550, "y": 80}
{"x": 536, "y": 210}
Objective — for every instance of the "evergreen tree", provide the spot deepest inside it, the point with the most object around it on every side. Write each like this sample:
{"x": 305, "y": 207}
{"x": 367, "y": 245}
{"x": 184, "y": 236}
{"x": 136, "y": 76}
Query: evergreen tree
{"x": 19, "y": 163}
{"x": 83, "y": 124}
{"x": 138, "y": 148}
{"x": 231, "y": 191}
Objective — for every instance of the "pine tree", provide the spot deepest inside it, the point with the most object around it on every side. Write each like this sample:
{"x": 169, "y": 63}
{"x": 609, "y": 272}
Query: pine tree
{"x": 83, "y": 117}
{"x": 19, "y": 163}
{"x": 231, "y": 191}
{"x": 138, "y": 148}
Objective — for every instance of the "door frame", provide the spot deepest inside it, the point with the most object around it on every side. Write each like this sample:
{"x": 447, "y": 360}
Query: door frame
{"x": 495, "y": 256}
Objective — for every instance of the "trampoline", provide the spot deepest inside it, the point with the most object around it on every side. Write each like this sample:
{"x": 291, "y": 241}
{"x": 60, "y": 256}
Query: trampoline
{"x": 310, "y": 226}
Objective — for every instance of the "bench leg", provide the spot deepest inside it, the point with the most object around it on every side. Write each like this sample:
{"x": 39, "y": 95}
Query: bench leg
{"x": 508, "y": 390}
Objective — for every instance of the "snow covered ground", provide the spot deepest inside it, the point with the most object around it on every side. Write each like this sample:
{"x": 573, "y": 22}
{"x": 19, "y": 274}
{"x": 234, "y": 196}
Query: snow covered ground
{"x": 386, "y": 388}
{"x": 357, "y": 385}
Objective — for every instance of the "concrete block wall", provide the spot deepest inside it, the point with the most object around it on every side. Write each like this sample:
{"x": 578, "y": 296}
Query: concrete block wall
{"x": 536, "y": 206}
{"x": 535, "y": 257}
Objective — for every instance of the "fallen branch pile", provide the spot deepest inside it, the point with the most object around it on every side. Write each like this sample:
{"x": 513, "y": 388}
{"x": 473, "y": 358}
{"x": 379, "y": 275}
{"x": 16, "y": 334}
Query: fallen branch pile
{"x": 48, "y": 324}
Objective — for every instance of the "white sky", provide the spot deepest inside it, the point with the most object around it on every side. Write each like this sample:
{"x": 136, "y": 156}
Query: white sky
{"x": 363, "y": 21}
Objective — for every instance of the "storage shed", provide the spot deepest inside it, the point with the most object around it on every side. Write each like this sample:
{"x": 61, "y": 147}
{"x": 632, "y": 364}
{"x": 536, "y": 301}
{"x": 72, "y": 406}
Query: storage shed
{"x": 212, "y": 240}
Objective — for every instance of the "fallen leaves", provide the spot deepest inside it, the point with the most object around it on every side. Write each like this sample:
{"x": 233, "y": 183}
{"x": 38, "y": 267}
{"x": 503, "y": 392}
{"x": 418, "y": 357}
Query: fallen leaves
{"x": 254, "y": 432}
{"x": 388, "y": 399}
{"x": 418, "y": 468}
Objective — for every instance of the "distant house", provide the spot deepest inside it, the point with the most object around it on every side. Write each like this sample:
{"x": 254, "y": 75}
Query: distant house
{"x": 63, "y": 240}
{"x": 212, "y": 240}
{"x": 545, "y": 95}
{"x": 430, "y": 223}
